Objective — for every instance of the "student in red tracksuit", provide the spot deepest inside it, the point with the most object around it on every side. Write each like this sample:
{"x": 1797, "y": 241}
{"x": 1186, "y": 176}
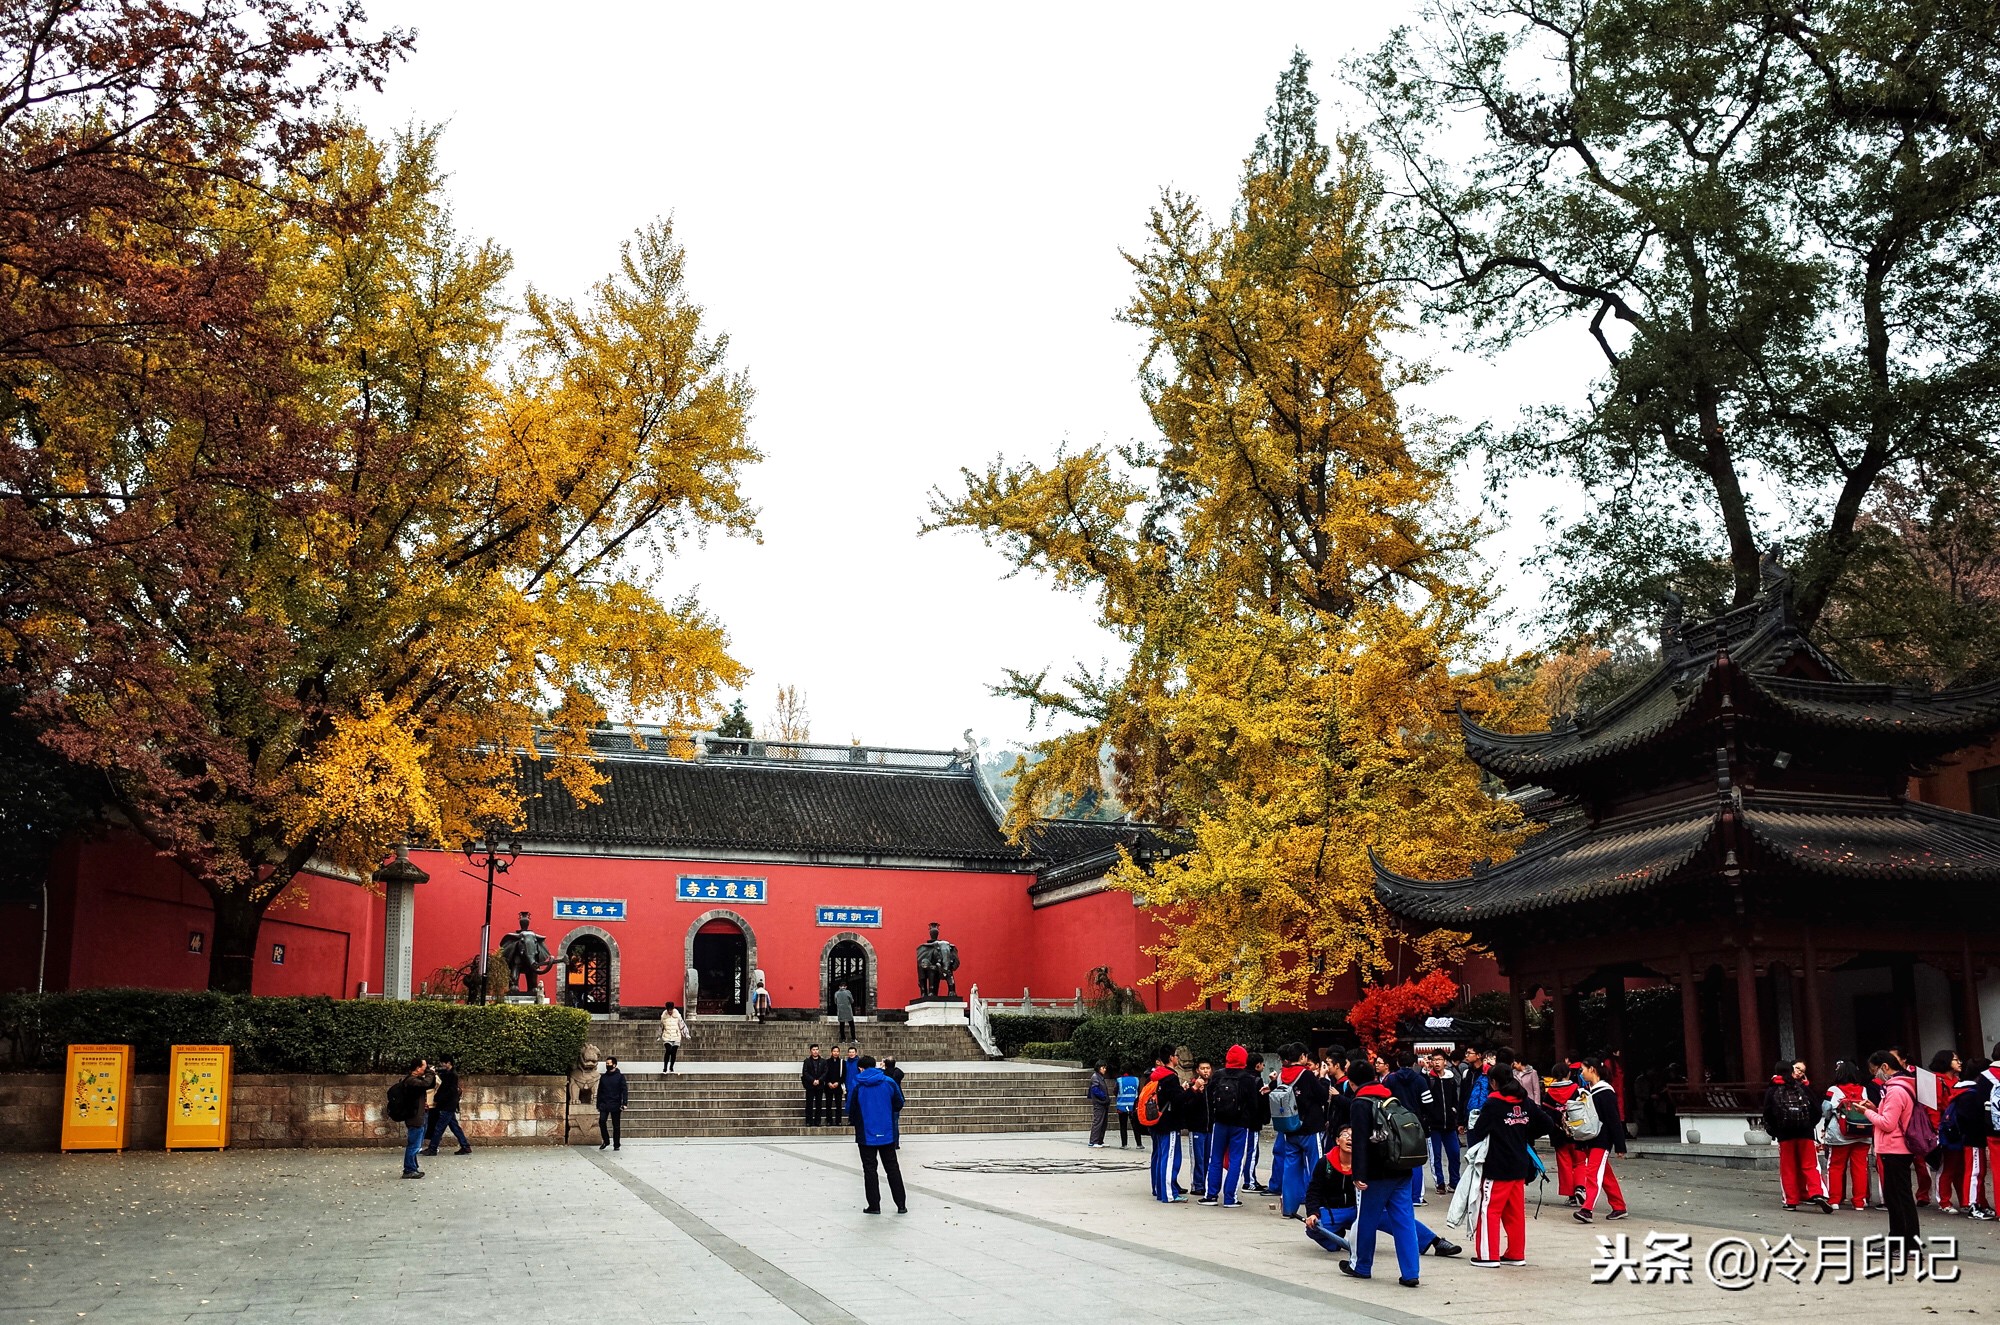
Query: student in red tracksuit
{"x": 1508, "y": 1124}
{"x": 1610, "y": 1139}
{"x": 1966, "y": 1121}
{"x": 1847, "y": 1159}
{"x": 1789, "y": 1119}
{"x": 1945, "y": 1066}
{"x": 1989, "y": 1080}
{"x": 1556, "y": 1095}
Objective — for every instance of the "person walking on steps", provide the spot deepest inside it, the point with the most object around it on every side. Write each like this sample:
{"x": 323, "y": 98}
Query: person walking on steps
{"x": 1100, "y": 1104}
{"x": 613, "y": 1093}
{"x": 874, "y": 1106}
{"x": 843, "y": 1012}
{"x": 405, "y": 1105}
{"x": 1597, "y": 1151}
{"x": 444, "y": 1110}
{"x": 673, "y": 1031}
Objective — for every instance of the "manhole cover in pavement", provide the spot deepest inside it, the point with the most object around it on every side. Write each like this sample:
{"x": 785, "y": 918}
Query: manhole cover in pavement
{"x": 1034, "y": 1166}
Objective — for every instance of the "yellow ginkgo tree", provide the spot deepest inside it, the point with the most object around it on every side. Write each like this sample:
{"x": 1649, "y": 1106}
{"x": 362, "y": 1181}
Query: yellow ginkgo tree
{"x": 438, "y": 548}
{"x": 1296, "y": 594}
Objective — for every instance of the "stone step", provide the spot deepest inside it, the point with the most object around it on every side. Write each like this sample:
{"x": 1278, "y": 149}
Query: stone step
{"x": 732, "y": 1042}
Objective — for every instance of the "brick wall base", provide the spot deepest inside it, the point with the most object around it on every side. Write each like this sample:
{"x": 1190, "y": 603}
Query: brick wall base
{"x": 275, "y": 1112}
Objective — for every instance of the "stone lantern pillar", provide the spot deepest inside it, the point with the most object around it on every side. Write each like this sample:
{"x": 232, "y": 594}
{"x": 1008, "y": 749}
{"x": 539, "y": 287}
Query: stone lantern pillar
{"x": 399, "y": 879}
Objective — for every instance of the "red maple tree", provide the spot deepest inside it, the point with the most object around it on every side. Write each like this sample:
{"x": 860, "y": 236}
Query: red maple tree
{"x": 1383, "y": 1009}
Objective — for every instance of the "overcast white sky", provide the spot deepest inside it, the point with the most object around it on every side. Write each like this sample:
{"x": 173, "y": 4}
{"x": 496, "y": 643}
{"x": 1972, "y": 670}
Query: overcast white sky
{"x": 908, "y": 219}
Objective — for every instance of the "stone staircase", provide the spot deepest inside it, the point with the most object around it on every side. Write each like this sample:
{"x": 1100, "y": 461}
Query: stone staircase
{"x": 742, "y": 1079}
{"x": 773, "y": 1104}
{"x": 730, "y": 1041}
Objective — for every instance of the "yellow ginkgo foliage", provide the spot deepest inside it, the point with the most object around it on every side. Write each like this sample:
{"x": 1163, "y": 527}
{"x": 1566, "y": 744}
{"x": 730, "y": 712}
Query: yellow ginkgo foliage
{"x": 1297, "y": 597}
{"x": 441, "y": 546}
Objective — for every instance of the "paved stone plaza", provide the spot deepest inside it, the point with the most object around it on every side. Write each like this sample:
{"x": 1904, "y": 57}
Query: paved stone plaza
{"x": 771, "y": 1231}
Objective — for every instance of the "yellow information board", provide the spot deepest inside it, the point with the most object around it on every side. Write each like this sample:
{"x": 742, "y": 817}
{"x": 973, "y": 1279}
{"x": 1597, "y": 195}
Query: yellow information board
{"x": 99, "y": 1097}
{"x": 198, "y": 1097}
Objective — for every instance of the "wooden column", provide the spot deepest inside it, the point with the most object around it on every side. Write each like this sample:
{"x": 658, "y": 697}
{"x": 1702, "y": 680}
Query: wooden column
{"x": 1691, "y": 1021}
{"x": 1561, "y": 1005}
{"x": 1903, "y": 980}
{"x": 1973, "y": 1043}
{"x": 1614, "y": 1015}
{"x": 1517, "y": 1015}
{"x": 1749, "y": 1022}
{"x": 1817, "y": 1059}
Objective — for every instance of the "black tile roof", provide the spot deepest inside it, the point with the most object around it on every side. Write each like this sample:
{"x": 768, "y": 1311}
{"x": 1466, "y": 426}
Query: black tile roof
{"x": 1900, "y": 841}
{"x": 1765, "y": 653}
{"x": 1075, "y": 849}
{"x": 653, "y": 802}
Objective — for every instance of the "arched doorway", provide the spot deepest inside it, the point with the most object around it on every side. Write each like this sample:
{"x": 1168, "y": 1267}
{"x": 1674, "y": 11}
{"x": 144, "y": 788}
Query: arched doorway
{"x": 720, "y": 957}
{"x": 847, "y": 968}
{"x": 587, "y": 974}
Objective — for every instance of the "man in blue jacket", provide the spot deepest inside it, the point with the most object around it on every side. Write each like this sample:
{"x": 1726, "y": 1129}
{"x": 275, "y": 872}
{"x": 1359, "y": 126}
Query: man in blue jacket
{"x": 873, "y": 1105}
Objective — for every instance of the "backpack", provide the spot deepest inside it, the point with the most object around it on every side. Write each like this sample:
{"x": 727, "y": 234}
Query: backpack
{"x": 399, "y": 1102}
{"x": 1791, "y": 1109}
{"x": 1149, "y": 1110}
{"x": 1993, "y": 1110}
{"x": 1849, "y": 1123}
{"x": 1229, "y": 1101}
{"x": 1284, "y": 1107}
{"x": 1398, "y": 1137}
{"x": 1920, "y": 1133}
{"x": 1579, "y": 1117}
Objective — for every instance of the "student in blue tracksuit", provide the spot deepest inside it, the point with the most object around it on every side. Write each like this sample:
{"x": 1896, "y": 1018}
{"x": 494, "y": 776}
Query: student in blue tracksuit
{"x": 1385, "y": 1193}
{"x": 1412, "y": 1086}
{"x": 1295, "y": 1153}
{"x": 1166, "y": 1166}
{"x": 1260, "y": 1118}
{"x": 1195, "y": 1121}
{"x": 1231, "y": 1100}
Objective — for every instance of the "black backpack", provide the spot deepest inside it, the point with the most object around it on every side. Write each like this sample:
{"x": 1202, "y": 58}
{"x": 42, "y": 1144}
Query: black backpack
{"x": 1397, "y": 1137}
{"x": 1229, "y": 1100}
{"x": 401, "y": 1098}
{"x": 1793, "y": 1111}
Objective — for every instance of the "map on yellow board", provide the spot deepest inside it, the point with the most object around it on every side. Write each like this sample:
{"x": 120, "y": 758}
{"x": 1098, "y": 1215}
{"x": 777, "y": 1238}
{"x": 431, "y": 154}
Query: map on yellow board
{"x": 198, "y": 1105}
{"x": 94, "y": 1112}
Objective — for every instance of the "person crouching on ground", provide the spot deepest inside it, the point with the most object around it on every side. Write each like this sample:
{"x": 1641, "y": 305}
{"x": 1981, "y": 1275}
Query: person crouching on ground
{"x": 1509, "y": 1124}
{"x": 1332, "y": 1204}
{"x": 874, "y": 1105}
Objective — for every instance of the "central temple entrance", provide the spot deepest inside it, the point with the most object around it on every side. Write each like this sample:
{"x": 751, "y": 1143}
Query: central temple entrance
{"x": 722, "y": 969}
{"x": 847, "y": 968}
{"x": 587, "y": 974}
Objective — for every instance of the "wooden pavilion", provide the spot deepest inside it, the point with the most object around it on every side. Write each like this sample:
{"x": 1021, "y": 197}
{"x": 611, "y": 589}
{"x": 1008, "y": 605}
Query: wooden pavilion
{"x": 1739, "y": 824}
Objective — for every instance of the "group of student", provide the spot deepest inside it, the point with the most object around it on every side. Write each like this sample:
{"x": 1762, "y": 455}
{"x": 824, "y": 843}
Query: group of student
{"x": 1932, "y": 1130}
{"x": 1352, "y": 1135}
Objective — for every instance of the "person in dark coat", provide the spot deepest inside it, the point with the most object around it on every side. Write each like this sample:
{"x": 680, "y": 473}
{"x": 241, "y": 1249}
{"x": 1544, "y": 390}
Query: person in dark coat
{"x": 890, "y": 1070}
{"x": 406, "y": 1106}
{"x": 1413, "y": 1086}
{"x": 874, "y": 1106}
{"x": 1446, "y": 1122}
{"x": 444, "y": 1110}
{"x": 613, "y": 1092}
{"x": 813, "y": 1077}
{"x": 1791, "y": 1112}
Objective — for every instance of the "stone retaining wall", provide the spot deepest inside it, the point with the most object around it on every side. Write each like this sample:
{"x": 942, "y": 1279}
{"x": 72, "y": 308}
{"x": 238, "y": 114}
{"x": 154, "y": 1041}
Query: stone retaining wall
{"x": 274, "y": 1112}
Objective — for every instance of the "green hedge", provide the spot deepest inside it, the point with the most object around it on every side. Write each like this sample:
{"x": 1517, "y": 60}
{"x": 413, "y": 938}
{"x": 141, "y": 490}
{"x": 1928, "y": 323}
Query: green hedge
{"x": 1059, "y": 1049}
{"x": 1013, "y": 1031}
{"x": 293, "y": 1034}
{"x": 1130, "y": 1042}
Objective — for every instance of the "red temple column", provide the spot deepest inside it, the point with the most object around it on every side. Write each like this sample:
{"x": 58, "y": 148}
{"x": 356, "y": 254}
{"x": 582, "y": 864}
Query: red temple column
{"x": 1691, "y": 1021}
{"x": 1749, "y": 1019}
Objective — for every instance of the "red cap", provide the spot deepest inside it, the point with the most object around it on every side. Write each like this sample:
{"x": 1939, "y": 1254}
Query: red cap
{"x": 1237, "y": 1056}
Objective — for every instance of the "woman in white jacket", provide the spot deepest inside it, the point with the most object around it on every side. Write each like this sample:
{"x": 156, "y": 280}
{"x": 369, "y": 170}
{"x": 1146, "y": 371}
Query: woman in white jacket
{"x": 673, "y": 1029}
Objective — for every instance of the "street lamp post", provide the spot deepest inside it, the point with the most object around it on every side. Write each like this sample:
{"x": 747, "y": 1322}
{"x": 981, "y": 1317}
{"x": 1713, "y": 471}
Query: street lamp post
{"x": 497, "y": 860}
